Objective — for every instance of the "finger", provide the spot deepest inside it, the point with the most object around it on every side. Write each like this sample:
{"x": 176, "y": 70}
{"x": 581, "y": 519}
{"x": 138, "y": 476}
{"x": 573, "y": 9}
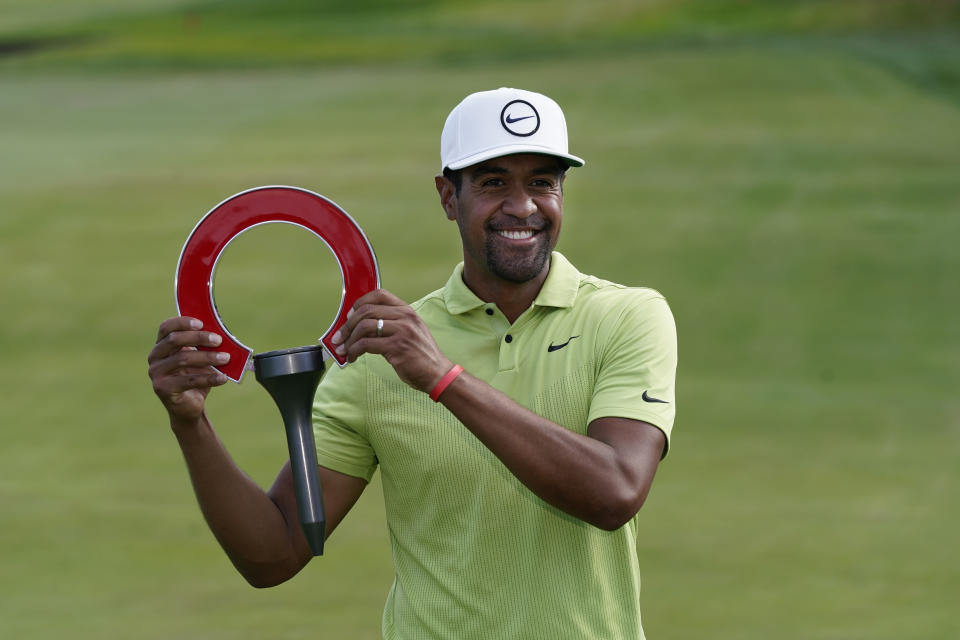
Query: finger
{"x": 394, "y": 348}
{"x": 187, "y": 360}
{"x": 363, "y": 345}
{"x": 397, "y": 334}
{"x": 178, "y": 323}
{"x": 373, "y": 299}
{"x": 178, "y": 384}
{"x": 176, "y": 341}
{"x": 368, "y": 328}
{"x": 378, "y": 297}
{"x": 376, "y": 327}
{"x": 365, "y": 314}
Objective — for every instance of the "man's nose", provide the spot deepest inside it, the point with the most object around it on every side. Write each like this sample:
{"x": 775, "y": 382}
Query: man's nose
{"x": 518, "y": 203}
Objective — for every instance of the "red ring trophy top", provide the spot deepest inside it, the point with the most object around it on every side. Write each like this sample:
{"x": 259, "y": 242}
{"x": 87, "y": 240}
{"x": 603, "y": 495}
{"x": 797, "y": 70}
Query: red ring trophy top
{"x": 262, "y": 205}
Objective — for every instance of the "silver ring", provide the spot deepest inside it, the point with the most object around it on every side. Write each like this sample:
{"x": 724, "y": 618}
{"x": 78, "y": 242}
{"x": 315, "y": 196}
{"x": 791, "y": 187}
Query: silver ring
{"x": 380, "y": 328}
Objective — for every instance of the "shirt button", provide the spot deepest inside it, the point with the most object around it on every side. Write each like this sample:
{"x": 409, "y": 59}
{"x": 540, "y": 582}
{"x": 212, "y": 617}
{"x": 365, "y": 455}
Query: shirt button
{"x": 508, "y": 338}
{"x": 489, "y": 311}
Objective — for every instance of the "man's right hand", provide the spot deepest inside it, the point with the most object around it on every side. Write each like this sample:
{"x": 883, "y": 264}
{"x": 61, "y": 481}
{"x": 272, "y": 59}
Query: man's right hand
{"x": 181, "y": 374}
{"x": 260, "y": 531}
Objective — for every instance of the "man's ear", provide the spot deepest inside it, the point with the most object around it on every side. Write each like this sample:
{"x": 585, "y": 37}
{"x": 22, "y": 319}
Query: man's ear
{"x": 448, "y": 196}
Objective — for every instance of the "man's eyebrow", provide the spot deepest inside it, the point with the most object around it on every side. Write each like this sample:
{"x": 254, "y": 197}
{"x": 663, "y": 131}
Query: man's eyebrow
{"x": 552, "y": 169}
{"x": 479, "y": 172}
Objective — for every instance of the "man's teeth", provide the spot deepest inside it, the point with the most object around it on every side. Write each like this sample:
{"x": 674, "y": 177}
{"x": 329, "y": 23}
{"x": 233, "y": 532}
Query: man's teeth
{"x": 516, "y": 235}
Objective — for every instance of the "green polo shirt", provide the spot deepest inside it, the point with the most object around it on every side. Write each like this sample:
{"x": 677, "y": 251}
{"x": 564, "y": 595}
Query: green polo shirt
{"x": 476, "y": 554}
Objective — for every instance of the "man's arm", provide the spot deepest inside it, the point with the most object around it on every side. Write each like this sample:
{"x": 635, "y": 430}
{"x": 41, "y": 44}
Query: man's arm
{"x": 602, "y": 478}
{"x": 260, "y": 531}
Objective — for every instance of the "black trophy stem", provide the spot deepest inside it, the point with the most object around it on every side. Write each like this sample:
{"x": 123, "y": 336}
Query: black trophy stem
{"x": 291, "y": 376}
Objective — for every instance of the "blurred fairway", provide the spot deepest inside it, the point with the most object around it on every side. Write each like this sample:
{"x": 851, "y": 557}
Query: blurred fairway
{"x": 789, "y": 177}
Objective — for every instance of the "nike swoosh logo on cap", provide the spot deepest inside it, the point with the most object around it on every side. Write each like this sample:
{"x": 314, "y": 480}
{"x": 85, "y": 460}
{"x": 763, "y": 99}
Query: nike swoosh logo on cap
{"x": 511, "y": 120}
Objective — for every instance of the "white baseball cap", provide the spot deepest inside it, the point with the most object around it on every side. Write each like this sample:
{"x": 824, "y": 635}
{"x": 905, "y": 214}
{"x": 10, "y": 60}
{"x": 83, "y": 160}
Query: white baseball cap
{"x": 489, "y": 124}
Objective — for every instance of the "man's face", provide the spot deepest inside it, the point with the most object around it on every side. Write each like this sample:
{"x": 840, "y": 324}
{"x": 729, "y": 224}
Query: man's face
{"x": 509, "y": 211}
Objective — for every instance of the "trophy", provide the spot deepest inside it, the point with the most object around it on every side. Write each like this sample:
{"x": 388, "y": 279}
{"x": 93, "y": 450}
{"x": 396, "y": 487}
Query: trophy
{"x": 291, "y": 375}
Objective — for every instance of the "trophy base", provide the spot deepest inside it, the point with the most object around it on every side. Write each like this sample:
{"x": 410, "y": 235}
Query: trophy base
{"x": 291, "y": 376}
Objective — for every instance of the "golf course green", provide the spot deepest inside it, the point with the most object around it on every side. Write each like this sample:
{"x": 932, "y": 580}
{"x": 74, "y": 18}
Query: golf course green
{"x": 787, "y": 174}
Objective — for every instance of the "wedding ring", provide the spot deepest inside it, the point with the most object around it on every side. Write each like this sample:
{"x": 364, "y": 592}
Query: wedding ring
{"x": 380, "y": 328}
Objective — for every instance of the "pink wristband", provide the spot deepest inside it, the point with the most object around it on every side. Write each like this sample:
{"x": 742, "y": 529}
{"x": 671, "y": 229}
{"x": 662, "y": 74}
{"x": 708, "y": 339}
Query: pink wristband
{"x": 445, "y": 381}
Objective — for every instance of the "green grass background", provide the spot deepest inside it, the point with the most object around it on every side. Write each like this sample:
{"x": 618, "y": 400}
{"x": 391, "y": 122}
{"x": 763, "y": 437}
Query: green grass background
{"x": 787, "y": 173}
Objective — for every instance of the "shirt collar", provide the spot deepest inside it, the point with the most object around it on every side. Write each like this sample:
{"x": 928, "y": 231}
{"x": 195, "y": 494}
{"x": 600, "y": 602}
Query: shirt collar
{"x": 558, "y": 290}
{"x": 562, "y": 284}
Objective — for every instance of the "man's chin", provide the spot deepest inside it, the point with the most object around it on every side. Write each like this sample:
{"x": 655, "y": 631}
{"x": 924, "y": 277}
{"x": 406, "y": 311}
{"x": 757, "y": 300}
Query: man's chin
{"x": 519, "y": 269}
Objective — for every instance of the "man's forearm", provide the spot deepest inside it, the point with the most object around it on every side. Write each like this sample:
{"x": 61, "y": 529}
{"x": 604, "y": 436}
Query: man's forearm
{"x": 602, "y": 477}
{"x": 247, "y": 523}
{"x": 601, "y": 482}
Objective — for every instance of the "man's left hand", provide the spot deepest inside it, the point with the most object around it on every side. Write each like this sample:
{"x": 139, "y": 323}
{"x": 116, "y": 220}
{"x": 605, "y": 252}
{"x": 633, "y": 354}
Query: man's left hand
{"x": 403, "y": 340}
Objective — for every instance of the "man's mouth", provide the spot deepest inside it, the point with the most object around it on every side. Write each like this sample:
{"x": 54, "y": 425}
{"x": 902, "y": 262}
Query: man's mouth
{"x": 516, "y": 234}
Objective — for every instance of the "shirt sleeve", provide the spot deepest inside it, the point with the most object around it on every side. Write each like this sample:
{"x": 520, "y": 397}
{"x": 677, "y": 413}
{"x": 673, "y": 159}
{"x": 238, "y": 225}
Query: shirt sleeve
{"x": 638, "y": 363}
{"x": 339, "y": 422}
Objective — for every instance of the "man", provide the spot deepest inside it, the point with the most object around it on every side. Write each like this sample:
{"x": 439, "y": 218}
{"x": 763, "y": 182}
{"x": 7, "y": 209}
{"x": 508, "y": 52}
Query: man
{"x": 517, "y": 415}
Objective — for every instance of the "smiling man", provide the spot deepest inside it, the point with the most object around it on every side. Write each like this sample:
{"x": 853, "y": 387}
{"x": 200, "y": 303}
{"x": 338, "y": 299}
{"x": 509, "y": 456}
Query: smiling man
{"x": 508, "y": 210}
{"x": 517, "y": 415}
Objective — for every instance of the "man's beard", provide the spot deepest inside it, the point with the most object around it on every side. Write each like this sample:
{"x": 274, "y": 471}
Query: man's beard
{"x": 517, "y": 267}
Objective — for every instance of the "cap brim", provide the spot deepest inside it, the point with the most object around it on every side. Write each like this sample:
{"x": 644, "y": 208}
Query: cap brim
{"x": 509, "y": 150}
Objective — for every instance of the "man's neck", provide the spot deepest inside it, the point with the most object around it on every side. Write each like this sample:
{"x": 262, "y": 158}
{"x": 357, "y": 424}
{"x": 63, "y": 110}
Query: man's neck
{"x": 512, "y": 298}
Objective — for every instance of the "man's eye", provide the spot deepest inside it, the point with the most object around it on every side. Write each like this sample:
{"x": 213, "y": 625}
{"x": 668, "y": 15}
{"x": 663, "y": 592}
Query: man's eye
{"x": 493, "y": 182}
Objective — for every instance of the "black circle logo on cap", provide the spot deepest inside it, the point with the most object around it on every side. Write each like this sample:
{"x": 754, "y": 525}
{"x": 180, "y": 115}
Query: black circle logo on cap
{"x": 520, "y": 118}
